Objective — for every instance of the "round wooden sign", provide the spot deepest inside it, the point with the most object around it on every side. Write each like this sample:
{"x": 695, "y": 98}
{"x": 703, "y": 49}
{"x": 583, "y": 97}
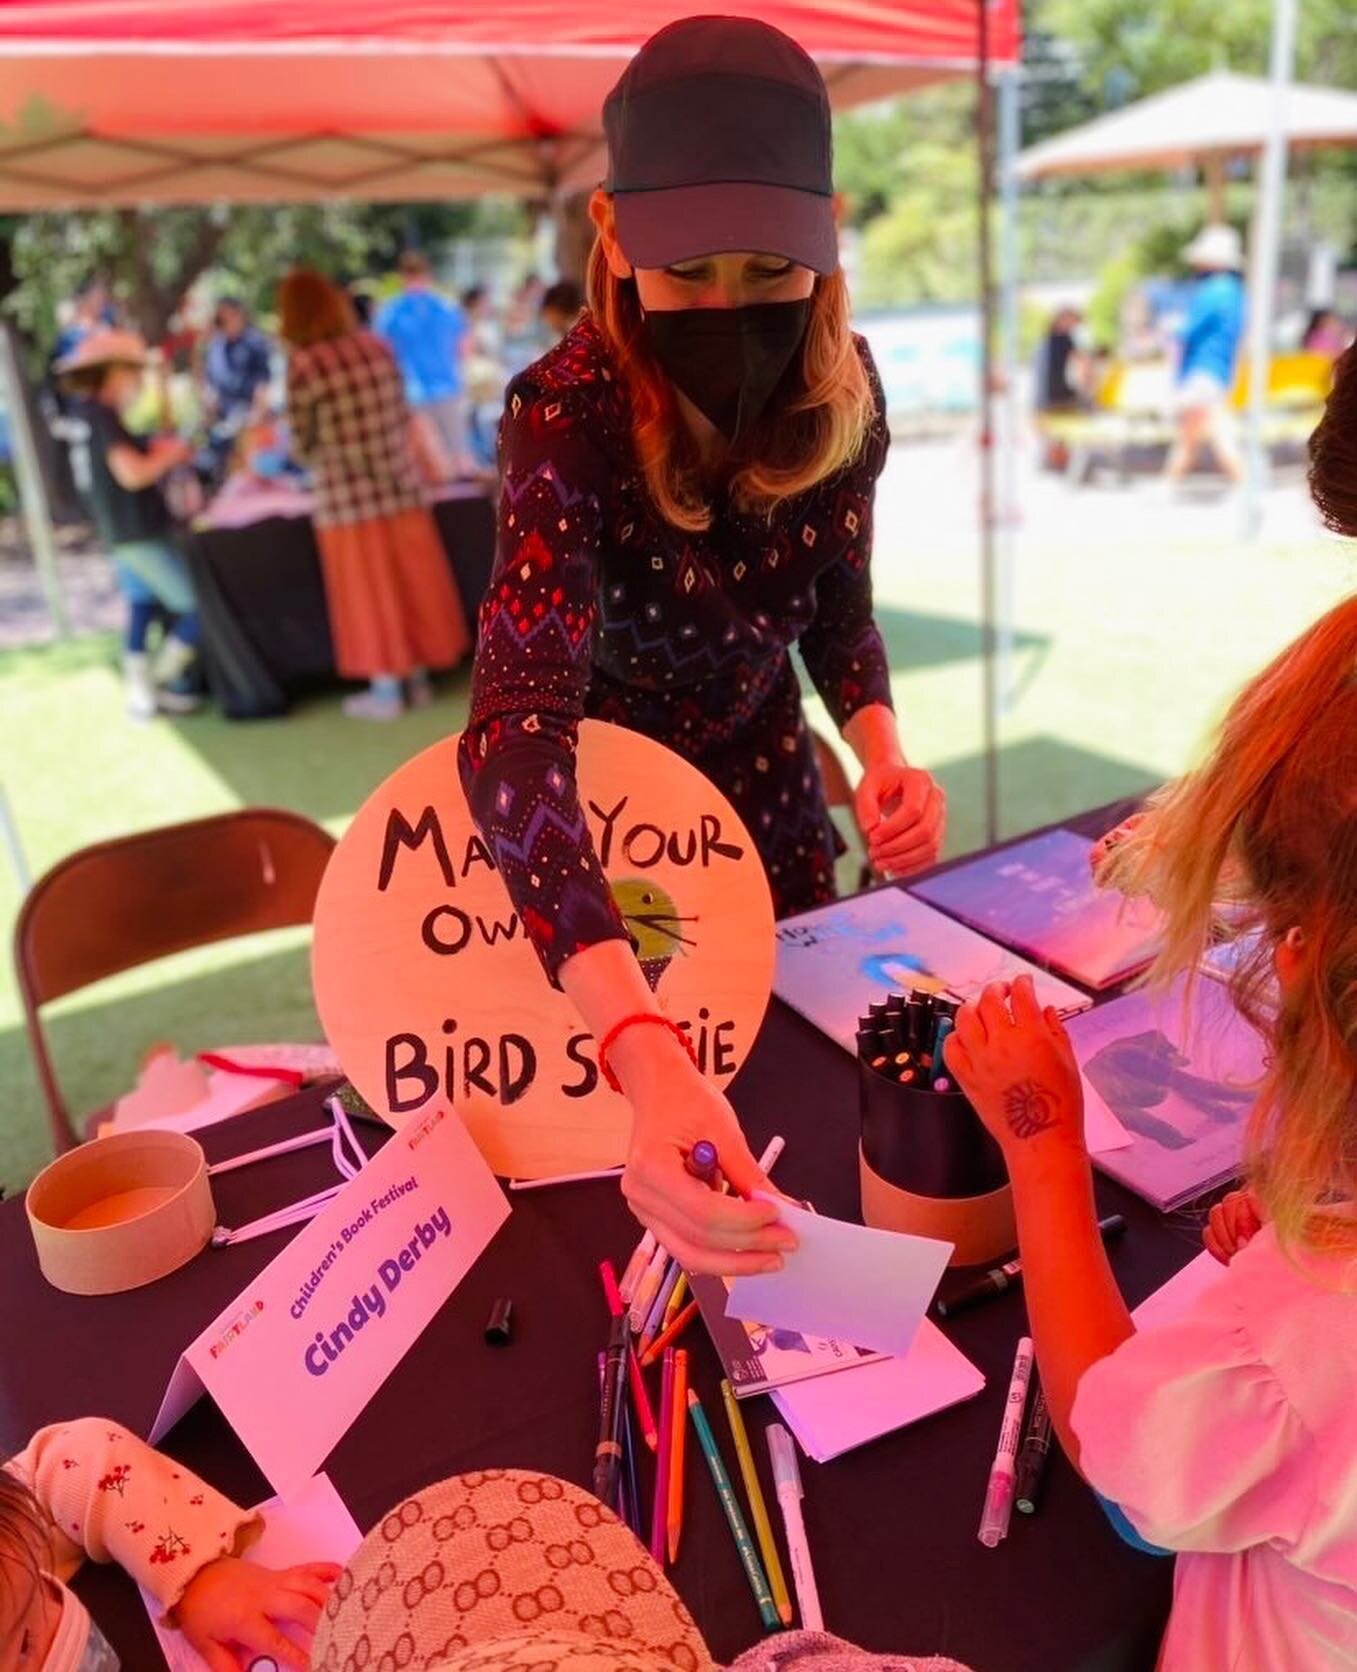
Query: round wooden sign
{"x": 430, "y": 991}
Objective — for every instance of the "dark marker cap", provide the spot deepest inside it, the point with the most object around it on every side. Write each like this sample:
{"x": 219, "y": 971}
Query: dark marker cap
{"x": 703, "y": 1160}
{"x": 719, "y": 139}
{"x": 499, "y": 1326}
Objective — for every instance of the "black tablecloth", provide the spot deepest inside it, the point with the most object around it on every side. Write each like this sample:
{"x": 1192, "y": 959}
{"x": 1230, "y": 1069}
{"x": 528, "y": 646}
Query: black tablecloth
{"x": 261, "y": 598}
{"x": 892, "y": 1526}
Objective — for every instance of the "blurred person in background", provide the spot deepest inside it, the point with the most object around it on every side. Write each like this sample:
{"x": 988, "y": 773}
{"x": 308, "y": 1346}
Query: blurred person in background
{"x": 1327, "y": 333}
{"x": 394, "y": 610}
{"x": 236, "y": 364}
{"x": 427, "y": 334}
{"x": 1062, "y": 380}
{"x": 486, "y": 377}
{"x": 561, "y": 308}
{"x": 122, "y": 478}
{"x": 1209, "y": 354}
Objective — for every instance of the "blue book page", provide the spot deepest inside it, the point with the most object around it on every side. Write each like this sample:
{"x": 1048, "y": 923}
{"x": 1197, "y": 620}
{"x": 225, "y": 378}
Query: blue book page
{"x": 1182, "y": 1084}
{"x": 1039, "y": 897}
{"x": 835, "y": 961}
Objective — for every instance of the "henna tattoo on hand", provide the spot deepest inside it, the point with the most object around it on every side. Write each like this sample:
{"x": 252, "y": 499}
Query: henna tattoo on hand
{"x": 1029, "y": 1108}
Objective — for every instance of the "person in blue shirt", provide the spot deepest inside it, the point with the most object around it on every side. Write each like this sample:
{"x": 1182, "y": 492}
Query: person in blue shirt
{"x": 237, "y": 365}
{"x": 1209, "y": 354}
{"x": 428, "y": 335}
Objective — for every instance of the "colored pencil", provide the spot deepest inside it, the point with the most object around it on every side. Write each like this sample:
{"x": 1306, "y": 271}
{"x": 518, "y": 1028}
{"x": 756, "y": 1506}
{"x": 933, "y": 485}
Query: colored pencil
{"x": 676, "y": 1300}
{"x": 763, "y": 1527}
{"x": 640, "y": 1396}
{"x": 655, "y": 1317}
{"x": 659, "y": 1517}
{"x": 667, "y": 1336}
{"x": 749, "y": 1556}
{"x": 678, "y": 1432}
{"x": 644, "y": 1296}
{"x": 640, "y": 1259}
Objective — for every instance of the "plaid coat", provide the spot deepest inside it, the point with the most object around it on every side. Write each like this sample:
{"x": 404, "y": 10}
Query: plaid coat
{"x": 350, "y": 424}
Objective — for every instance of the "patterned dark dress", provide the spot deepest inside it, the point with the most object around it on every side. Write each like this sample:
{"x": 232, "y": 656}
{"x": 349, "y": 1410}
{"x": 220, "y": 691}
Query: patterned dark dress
{"x": 598, "y": 607}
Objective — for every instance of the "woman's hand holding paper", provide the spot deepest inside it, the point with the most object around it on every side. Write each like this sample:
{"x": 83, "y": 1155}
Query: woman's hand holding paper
{"x": 1015, "y": 1063}
{"x": 705, "y": 1230}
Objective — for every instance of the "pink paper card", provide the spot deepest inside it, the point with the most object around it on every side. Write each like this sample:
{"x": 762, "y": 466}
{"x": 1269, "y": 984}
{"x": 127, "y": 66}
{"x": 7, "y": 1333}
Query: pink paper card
{"x": 292, "y": 1361}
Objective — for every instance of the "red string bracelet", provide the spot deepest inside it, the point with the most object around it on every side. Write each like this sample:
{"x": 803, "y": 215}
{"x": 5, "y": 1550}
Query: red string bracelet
{"x": 618, "y": 1028}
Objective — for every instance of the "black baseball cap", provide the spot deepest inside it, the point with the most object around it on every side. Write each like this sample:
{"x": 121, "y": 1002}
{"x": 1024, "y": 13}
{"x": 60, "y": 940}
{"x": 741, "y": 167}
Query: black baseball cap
{"x": 719, "y": 139}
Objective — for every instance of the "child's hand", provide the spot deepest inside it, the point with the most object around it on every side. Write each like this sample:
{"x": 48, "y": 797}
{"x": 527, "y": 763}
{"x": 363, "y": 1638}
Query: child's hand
{"x": 1100, "y": 850}
{"x": 1235, "y": 1220}
{"x": 1015, "y": 1062}
{"x": 230, "y": 1605}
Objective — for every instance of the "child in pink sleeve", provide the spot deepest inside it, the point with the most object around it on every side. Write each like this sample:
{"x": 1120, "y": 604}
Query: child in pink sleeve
{"x": 1228, "y": 1436}
{"x": 89, "y": 1488}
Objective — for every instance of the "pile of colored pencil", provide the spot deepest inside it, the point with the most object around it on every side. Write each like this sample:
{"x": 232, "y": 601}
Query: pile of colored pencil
{"x": 650, "y": 1310}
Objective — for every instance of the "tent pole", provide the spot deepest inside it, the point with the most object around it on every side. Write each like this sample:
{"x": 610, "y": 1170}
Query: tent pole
{"x": 1267, "y": 236}
{"x": 37, "y": 513}
{"x": 1215, "y": 186}
{"x": 985, "y": 186}
{"x": 1010, "y": 117}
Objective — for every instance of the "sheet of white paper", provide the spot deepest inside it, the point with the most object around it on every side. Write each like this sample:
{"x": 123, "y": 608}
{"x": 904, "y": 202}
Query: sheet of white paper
{"x": 1170, "y": 1302}
{"x": 849, "y": 1282}
{"x": 832, "y": 1414}
{"x": 315, "y": 1527}
{"x": 1102, "y": 1130}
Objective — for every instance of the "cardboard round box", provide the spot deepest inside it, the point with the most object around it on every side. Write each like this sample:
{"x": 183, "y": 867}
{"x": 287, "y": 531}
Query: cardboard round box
{"x": 981, "y": 1227}
{"x": 121, "y": 1211}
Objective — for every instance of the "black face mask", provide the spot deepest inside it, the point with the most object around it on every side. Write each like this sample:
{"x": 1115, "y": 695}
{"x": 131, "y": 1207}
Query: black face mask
{"x": 728, "y": 361}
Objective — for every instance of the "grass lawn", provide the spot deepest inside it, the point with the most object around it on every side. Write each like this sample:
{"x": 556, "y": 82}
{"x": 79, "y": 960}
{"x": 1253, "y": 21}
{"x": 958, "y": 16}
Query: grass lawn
{"x": 1135, "y": 624}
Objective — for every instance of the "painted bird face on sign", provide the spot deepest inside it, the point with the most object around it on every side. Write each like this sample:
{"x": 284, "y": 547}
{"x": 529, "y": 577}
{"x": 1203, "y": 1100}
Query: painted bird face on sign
{"x": 653, "y": 922}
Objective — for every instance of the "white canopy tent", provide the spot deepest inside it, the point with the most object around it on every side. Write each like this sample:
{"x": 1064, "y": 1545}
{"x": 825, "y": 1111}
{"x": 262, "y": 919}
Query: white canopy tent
{"x": 1207, "y": 123}
{"x": 1202, "y": 123}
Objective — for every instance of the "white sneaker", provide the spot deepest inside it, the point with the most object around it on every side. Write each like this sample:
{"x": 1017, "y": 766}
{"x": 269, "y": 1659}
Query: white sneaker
{"x": 139, "y": 687}
{"x": 419, "y": 688}
{"x": 368, "y": 705}
{"x": 176, "y": 702}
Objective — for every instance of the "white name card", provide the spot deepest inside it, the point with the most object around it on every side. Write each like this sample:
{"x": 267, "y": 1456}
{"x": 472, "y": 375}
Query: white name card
{"x": 295, "y": 1358}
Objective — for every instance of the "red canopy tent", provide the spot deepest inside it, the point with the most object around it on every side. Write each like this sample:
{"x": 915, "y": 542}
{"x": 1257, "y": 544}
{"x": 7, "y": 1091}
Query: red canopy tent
{"x": 145, "y": 102}
{"x": 192, "y": 101}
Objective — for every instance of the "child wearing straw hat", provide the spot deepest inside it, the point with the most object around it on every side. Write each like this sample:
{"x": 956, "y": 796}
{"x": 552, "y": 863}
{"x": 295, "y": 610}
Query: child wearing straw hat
{"x": 122, "y": 476}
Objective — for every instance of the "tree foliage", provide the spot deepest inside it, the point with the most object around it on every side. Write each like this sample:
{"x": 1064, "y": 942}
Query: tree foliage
{"x": 154, "y": 257}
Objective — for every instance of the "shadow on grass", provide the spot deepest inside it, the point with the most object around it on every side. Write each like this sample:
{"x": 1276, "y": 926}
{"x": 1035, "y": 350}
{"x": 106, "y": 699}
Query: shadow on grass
{"x": 916, "y": 641}
{"x": 1041, "y": 781}
{"x": 97, "y": 1047}
{"x": 316, "y": 760}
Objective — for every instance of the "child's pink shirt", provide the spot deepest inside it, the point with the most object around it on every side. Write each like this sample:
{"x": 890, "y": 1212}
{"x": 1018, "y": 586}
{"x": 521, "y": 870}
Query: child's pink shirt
{"x": 1230, "y": 1436}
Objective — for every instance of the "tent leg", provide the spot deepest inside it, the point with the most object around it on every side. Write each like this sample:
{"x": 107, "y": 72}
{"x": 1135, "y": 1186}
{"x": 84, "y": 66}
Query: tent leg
{"x": 37, "y": 513}
{"x": 1267, "y": 232}
{"x": 10, "y": 831}
{"x": 1009, "y": 449}
{"x": 989, "y": 671}
{"x": 1214, "y": 170}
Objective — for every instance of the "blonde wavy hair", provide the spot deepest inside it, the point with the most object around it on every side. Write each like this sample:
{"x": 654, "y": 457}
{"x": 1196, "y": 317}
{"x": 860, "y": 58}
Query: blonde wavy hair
{"x": 822, "y": 428}
{"x": 1268, "y": 825}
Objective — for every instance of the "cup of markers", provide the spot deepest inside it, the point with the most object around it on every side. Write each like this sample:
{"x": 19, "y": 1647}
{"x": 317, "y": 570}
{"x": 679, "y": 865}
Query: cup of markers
{"x": 926, "y": 1163}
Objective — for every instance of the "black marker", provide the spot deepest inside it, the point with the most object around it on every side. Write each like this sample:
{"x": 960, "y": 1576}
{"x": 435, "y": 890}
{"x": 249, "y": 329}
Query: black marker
{"x": 1032, "y": 1455}
{"x": 1009, "y": 1275}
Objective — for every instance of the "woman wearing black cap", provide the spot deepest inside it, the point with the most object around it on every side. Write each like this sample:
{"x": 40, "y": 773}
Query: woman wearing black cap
{"x": 687, "y": 491}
